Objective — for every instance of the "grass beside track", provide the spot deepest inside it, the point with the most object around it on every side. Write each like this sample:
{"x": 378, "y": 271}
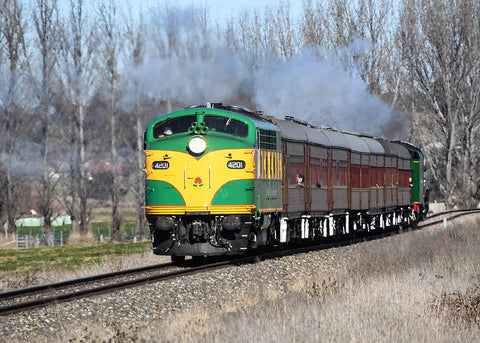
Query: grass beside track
{"x": 66, "y": 257}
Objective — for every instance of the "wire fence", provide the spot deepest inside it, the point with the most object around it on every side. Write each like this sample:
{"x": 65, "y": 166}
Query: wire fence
{"x": 24, "y": 242}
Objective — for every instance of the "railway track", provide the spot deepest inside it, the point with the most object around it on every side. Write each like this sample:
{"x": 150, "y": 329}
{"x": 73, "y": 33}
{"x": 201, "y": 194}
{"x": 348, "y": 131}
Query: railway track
{"x": 43, "y": 295}
{"x": 449, "y": 215}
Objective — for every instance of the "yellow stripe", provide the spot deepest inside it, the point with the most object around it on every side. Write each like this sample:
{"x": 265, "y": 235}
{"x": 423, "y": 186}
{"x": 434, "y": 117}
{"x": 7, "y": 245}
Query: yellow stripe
{"x": 273, "y": 209}
{"x": 180, "y": 210}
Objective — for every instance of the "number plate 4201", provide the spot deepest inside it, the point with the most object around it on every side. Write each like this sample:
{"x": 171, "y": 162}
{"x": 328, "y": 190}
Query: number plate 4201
{"x": 236, "y": 164}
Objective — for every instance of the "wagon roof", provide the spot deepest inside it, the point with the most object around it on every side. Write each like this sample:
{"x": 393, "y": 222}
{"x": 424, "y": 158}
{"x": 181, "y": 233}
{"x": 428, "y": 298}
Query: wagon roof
{"x": 337, "y": 139}
{"x": 395, "y": 149}
{"x": 356, "y": 143}
{"x": 374, "y": 145}
{"x": 292, "y": 131}
{"x": 298, "y": 131}
{"x": 318, "y": 136}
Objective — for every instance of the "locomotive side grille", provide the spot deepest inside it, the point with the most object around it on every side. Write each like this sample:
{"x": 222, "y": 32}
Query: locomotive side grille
{"x": 267, "y": 140}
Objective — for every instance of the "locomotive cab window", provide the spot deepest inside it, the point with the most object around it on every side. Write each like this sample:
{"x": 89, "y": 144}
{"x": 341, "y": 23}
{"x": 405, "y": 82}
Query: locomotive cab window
{"x": 226, "y": 125}
{"x": 172, "y": 126}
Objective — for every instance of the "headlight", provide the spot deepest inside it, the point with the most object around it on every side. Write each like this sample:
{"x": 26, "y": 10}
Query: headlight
{"x": 197, "y": 145}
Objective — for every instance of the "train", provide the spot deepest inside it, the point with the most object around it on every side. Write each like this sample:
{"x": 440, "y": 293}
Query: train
{"x": 227, "y": 180}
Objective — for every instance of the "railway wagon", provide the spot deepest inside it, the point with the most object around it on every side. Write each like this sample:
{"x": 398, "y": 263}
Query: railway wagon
{"x": 351, "y": 182}
{"x": 227, "y": 180}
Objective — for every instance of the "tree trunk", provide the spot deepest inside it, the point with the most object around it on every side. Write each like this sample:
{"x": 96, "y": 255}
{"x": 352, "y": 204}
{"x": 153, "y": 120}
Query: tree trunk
{"x": 83, "y": 182}
{"x": 140, "y": 182}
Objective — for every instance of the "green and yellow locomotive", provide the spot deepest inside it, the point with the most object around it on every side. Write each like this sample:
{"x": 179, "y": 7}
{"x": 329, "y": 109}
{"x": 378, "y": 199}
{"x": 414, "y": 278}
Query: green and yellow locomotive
{"x": 213, "y": 176}
{"x": 225, "y": 180}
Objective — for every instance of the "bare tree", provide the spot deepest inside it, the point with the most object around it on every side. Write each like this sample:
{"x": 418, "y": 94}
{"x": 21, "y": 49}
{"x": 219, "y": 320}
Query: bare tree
{"x": 247, "y": 36}
{"x": 108, "y": 20}
{"x": 341, "y": 28}
{"x": 14, "y": 59}
{"x": 282, "y": 35}
{"x": 78, "y": 83}
{"x": 135, "y": 48}
{"x": 45, "y": 18}
{"x": 312, "y": 24}
{"x": 357, "y": 32}
{"x": 372, "y": 20}
{"x": 439, "y": 42}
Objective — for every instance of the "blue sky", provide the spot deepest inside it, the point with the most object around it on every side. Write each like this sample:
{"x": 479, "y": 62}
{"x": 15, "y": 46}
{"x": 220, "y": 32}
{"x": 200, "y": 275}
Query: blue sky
{"x": 220, "y": 8}
{"x": 228, "y": 8}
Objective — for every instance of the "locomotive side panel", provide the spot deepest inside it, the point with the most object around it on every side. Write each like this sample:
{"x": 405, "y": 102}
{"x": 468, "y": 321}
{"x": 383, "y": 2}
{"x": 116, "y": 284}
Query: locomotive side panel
{"x": 269, "y": 181}
{"x": 419, "y": 196}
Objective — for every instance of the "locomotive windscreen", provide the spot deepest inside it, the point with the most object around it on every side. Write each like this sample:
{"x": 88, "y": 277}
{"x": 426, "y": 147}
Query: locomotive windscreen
{"x": 226, "y": 125}
{"x": 172, "y": 126}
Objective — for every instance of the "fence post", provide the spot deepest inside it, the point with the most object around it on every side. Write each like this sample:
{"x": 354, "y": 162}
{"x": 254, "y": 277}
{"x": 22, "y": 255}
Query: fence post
{"x": 57, "y": 238}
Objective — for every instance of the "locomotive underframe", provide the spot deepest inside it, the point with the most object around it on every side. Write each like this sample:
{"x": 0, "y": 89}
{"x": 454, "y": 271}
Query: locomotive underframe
{"x": 200, "y": 235}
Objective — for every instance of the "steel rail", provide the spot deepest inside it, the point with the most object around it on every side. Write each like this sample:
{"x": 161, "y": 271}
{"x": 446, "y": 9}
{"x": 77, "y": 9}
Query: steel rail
{"x": 74, "y": 282}
{"x": 469, "y": 210}
{"x": 460, "y": 213}
{"x": 77, "y": 294}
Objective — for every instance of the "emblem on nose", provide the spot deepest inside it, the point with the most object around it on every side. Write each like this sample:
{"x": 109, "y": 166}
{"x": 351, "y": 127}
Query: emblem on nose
{"x": 197, "y": 182}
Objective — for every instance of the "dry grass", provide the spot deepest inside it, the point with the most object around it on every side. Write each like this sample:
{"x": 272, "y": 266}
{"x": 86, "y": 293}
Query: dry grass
{"x": 422, "y": 286}
{"x": 459, "y": 307}
{"x": 77, "y": 239}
